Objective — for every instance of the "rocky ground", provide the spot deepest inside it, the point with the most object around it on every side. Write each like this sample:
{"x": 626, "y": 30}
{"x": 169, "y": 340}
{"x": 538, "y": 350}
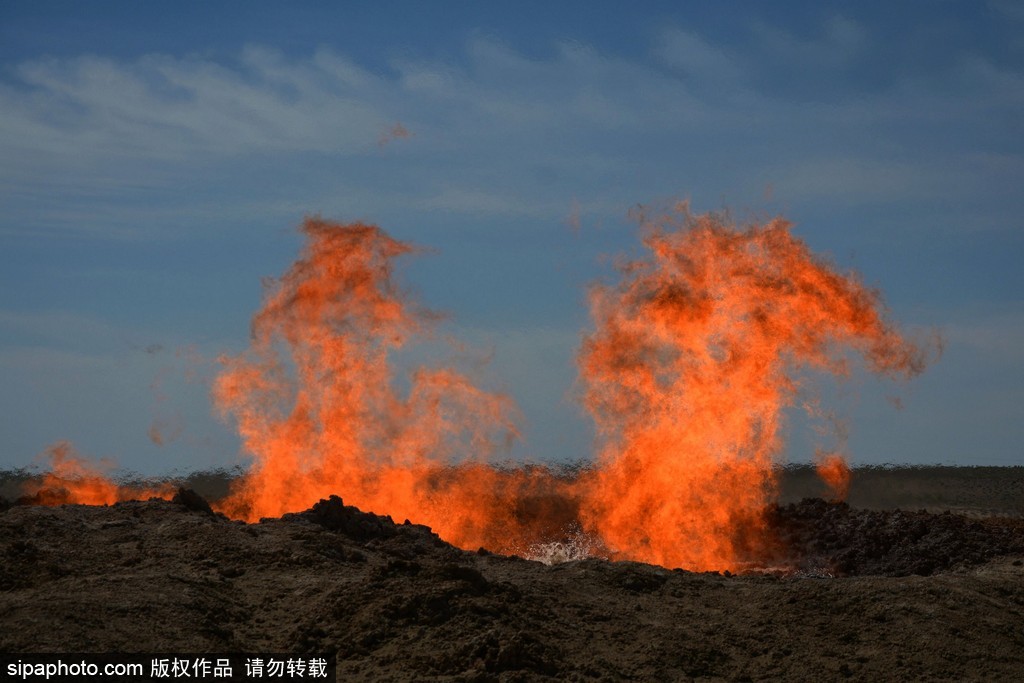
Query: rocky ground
{"x": 860, "y": 595}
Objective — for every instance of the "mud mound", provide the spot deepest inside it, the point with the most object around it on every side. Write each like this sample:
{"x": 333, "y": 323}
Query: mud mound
{"x": 393, "y": 602}
{"x": 836, "y": 539}
{"x": 192, "y": 501}
{"x": 334, "y": 515}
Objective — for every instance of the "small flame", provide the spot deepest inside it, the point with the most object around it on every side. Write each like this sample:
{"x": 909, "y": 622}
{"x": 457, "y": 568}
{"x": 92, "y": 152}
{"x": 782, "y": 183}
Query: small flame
{"x": 835, "y": 472}
{"x": 72, "y": 479}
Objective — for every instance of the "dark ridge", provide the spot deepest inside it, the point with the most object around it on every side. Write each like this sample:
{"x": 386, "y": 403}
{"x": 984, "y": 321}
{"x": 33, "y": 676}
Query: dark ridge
{"x": 333, "y": 515}
{"x": 45, "y": 496}
{"x": 849, "y": 542}
{"x": 192, "y": 501}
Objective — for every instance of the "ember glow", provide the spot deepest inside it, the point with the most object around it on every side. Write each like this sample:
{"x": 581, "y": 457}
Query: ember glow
{"x": 693, "y": 357}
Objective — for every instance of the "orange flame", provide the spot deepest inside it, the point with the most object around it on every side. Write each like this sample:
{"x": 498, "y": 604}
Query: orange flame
{"x": 316, "y": 405}
{"x": 71, "y": 479}
{"x": 835, "y": 472}
{"x": 694, "y": 356}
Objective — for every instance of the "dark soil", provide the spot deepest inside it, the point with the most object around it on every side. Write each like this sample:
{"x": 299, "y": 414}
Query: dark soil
{"x": 837, "y": 540}
{"x": 392, "y": 602}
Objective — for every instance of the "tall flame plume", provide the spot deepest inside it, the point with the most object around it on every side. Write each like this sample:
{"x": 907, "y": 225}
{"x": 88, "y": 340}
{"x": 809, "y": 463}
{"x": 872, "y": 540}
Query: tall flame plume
{"x": 694, "y": 356}
{"x": 317, "y": 407}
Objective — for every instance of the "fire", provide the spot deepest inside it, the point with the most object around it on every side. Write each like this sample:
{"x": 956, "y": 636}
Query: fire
{"x": 835, "y": 472}
{"x": 694, "y": 356}
{"x": 73, "y": 479}
{"x": 316, "y": 402}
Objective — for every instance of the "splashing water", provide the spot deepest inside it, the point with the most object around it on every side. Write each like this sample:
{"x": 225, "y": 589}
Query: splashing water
{"x": 575, "y": 545}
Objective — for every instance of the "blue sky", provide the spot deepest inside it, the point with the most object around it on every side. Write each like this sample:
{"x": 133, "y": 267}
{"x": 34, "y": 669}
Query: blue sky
{"x": 155, "y": 159}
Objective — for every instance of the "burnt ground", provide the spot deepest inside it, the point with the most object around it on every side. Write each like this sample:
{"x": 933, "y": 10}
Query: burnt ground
{"x": 916, "y": 595}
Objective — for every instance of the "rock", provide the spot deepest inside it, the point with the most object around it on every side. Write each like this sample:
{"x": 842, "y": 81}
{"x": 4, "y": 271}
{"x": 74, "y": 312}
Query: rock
{"x": 192, "y": 501}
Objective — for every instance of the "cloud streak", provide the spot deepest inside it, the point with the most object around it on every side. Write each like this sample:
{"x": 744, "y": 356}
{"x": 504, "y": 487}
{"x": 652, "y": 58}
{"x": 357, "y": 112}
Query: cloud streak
{"x": 491, "y": 130}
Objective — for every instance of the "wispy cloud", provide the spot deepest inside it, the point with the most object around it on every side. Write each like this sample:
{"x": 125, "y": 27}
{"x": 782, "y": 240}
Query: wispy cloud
{"x": 60, "y": 329}
{"x": 176, "y": 108}
{"x": 689, "y": 53}
{"x": 85, "y": 141}
{"x": 838, "y": 42}
{"x": 997, "y": 336}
